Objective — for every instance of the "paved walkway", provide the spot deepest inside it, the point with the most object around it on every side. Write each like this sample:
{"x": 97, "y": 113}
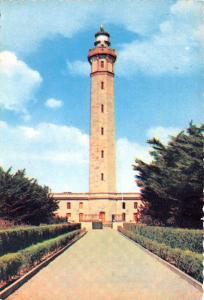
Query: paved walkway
{"x": 104, "y": 265}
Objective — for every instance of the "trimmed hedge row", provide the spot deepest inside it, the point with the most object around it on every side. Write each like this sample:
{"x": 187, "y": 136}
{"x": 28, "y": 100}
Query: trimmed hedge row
{"x": 187, "y": 239}
{"x": 13, "y": 240}
{"x": 186, "y": 260}
{"x": 11, "y": 264}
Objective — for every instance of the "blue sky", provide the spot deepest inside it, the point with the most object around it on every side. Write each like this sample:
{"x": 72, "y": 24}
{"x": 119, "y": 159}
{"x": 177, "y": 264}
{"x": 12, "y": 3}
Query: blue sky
{"x": 45, "y": 85}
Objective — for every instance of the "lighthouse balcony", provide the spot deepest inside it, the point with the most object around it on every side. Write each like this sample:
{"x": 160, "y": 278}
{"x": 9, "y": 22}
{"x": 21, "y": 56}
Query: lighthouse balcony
{"x": 96, "y": 52}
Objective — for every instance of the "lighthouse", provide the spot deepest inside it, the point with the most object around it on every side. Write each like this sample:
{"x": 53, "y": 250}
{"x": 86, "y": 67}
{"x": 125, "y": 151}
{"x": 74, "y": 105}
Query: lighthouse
{"x": 102, "y": 202}
{"x": 102, "y": 170}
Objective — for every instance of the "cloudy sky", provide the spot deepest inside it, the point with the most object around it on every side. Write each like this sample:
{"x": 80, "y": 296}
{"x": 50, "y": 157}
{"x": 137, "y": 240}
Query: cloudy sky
{"x": 45, "y": 85}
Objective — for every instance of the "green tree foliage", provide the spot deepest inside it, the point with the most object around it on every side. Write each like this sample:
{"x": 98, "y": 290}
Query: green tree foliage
{"x": 172, "y": 183}
{"x": 23, "y": 200}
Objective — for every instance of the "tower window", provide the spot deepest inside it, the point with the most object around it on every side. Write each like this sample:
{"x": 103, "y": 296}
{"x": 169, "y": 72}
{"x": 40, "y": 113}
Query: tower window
{"x": 68, "y": 205}
{"x": 102, "y": 131}
{"x": 102, "y": 108}
{"x": 102, "y": 177}
{"x": 123, "y": 217}
{"x": 102, "y": 154}
{"x": 123, "y": 205}
{"x": 102, "y": 64}
{"x": 80, "y": 204}
{"x": 102, "y": 85}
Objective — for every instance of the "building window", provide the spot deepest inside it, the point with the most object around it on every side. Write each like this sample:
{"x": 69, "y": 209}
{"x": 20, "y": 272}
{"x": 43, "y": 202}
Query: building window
{"x": 80, "y": 205}
{"x": 102, "y": 64}
{"x": 102, "y": 177}
{"x": 102, "y": 130}
{"x": 68, "y": 216}
{"x": 123, "y": 205}
{"x": 81, "y": 217}
{"x": 102, "y": 85}
{"x": 68, "y": 205}
{"x": 102, "y": 154}
{"x": 123, "y": 217}
{"x": 102, "y": 108}
{"x": 135, "y": 205}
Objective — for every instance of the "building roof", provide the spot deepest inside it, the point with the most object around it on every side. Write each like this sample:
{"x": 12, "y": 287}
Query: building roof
{"x": 96, "y": 196}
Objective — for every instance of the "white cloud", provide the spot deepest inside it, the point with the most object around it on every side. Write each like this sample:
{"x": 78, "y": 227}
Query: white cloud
{"x": 53, "y": 103}
{"x": 170, "y": 34}
{"x": 127, "y": 152}
{"x": 78, "y": 67}
{"x": 49, "y": 18}
{"x": 186, "y": 7}
{"x": 18, "y": 82}
{"x": 26, "y": 117}
{"x": 168, "y": 45}
{"x": 27, "y": 24}
{"x": 175, "y": 48}
{"x": 163, "y": 133}
{"x": 58, "y": 156}
{"x": 141, "y": 17}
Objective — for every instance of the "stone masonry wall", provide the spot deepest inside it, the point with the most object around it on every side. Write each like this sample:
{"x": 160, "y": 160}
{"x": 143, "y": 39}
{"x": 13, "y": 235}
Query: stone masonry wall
{"x": 102, "y": 128}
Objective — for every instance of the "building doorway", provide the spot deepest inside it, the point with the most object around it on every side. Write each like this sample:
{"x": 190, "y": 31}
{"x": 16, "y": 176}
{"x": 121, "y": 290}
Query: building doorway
{"x": 135, "y": 217}
{"x": 102, "y": 216}
{"x": 81, "y": 217}
{"x": 68, "y": 217}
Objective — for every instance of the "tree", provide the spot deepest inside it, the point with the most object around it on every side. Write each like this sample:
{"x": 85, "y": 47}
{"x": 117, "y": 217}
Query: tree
{"x": 23, "y": 200}
{"x": 172, "y": 183}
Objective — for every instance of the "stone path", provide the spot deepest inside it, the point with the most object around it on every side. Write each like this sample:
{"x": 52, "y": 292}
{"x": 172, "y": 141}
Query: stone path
{"x": 104, "y": 265}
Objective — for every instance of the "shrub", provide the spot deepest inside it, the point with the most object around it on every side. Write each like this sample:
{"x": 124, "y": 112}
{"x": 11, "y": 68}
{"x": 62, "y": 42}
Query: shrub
{"x": 187, "y": 239}
{"x": 185, "y": 260}
{"x": 12, "y": 240}
{"x": 57, "y": 220}
{"x": 11, "y": 264}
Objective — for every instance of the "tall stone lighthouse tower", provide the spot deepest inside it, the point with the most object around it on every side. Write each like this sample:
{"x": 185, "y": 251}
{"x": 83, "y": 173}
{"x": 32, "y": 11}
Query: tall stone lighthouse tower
{"x": 102, "y": 173}
{"x": 102, "y": 202}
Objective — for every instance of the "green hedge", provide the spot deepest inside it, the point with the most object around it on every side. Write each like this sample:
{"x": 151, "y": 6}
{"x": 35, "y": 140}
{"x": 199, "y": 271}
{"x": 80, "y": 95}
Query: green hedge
{"x": 12, "y": 240}
{"x": 12, "y": 263}
{"x": 187, "y": 239}
{"x": 186, "y": 260}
